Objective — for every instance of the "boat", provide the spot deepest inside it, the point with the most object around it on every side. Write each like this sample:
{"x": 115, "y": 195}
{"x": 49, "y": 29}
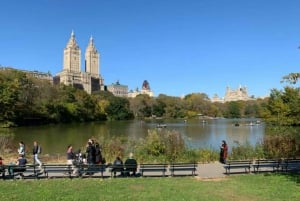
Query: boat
{"x": 258, "y": 122}
{"x": 161, "y": 126}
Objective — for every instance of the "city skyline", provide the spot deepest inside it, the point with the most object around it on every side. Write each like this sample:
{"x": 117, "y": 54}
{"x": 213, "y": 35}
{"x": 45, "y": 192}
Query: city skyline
{"x": 179, "y": 47}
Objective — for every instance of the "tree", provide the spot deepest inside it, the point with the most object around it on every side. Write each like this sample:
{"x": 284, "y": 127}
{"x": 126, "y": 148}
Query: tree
{"x": 291, "y": 78}
{"x": 196, "y": 103}
{"x": 118, "y": 109}
{"x": 141, "y": 105}
{"x": 233, "y": 110}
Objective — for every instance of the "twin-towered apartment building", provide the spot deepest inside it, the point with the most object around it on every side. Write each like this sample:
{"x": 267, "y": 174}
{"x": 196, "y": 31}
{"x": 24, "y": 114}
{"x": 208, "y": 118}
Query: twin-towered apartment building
{"x": 90, "y": 79}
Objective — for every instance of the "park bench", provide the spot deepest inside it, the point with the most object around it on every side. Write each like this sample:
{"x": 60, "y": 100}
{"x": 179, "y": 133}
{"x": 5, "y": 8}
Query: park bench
{"x": 58, "y": 170}
{"x": 125, "y": 170}
{"x": 117, "y": 168}
{"x": 266, "y": 165}
{"x": 90, "y": 170}
{"x": 183, "y": 169}
{"x": 238, "y": 164}
{"x": 291, "y": 165}
{"x": 2, "y": 171}
{"x": 151, "y": 168}
{"x": 25, "y": 171}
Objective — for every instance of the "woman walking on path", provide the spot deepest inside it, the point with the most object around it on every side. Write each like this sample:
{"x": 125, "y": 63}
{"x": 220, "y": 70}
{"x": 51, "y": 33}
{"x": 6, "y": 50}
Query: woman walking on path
{"x": 36, "y": 151}
{"x": 70, "y": 155}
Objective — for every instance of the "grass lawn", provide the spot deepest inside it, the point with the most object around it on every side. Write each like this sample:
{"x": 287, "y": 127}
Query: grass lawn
{"x": 242, "y": 188}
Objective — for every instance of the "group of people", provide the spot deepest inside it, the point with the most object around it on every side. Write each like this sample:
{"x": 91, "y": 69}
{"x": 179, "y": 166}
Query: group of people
{"x": 36, "y": 150}
{"x": 129, "y": 168}
{"x": 21, "y": 159}
{"x": 93, "y": 155}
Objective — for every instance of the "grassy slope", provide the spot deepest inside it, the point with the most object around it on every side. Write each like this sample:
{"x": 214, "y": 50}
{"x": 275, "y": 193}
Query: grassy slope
{"x": 244, "y": 187}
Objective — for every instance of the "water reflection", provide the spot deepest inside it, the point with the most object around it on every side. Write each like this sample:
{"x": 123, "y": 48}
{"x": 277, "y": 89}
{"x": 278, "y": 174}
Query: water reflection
{"x": 197, "y": 134}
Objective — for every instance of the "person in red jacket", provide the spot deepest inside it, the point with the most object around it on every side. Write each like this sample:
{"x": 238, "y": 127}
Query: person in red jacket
{"x": 223, "y": 152}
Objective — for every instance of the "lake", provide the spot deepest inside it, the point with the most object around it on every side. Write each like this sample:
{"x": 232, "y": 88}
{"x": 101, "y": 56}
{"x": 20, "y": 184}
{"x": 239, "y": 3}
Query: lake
{"x": 197, "y": 133}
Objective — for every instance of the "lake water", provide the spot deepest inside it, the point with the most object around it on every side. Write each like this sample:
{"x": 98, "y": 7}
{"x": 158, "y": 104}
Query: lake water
{"x": 55, "y": 138}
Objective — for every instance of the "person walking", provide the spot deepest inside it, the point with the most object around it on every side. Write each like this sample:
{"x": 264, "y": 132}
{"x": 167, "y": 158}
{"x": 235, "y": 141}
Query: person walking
{"x": 36, "y": 150}
{"x": 70, "y": 155}
{"x": 21, "y": 149}
{"x": 70, "y": 159}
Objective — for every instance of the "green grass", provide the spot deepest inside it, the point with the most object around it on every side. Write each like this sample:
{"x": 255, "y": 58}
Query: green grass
{"x": 242, "y": 188}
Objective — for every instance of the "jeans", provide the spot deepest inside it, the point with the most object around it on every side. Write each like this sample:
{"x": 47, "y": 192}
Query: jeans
{"x": 36, "y": 159}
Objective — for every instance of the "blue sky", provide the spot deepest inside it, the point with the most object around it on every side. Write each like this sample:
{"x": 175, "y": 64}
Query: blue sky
{"x": 179, "y": 46}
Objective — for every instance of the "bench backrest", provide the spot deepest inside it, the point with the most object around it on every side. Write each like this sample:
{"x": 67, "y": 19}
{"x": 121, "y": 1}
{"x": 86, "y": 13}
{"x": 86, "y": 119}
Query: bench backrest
{"x": 153, "y": 166}
{"x": 238, "y": 162}
{"x": 292, "y": 160}
{"x": 179, "y": 165}
{"x": 267, "y": 161}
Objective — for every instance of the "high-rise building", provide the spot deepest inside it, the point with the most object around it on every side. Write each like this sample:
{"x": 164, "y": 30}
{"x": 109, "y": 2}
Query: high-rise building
{"x": 90, "y": 80}
{"x": 72, "y": 55}
{"x": 92, "y": 59}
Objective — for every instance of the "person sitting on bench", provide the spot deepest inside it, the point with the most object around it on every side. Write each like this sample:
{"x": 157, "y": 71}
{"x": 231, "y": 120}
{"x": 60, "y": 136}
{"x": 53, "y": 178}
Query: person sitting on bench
{"x": 21, "y": 162}
{"x": 131, "y": 165}
{"x": 118, "y": 166}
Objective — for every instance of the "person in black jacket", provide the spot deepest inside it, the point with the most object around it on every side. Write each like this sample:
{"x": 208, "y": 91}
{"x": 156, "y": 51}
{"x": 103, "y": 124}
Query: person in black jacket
{"x": 91, "y": 153}
{"x": 118, "y": 166}
{"x": 131, "y": 165}
{"x": 98, "y": 155}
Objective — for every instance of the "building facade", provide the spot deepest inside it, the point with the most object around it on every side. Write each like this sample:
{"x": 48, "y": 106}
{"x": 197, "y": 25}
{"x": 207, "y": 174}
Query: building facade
{"x": 241, "y": 93}
{"x": 118, "y": 89}
{"x": 145, "y": 90}
{"x": 35, "y": 73}
{"x": 90, "y": 80}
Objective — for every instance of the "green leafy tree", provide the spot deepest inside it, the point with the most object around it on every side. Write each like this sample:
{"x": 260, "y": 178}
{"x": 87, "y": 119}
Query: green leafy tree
{"x": 196, "y": 103}
{"x": 141, "y": 105}
{"x": 119, "y": 109}
{"x": 283, "y": 107}
{"x": 233, "y": 110}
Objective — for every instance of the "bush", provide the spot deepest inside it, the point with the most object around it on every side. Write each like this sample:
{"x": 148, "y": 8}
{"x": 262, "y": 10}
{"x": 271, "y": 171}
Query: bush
{"x": 5, "y": 141}
{"x": 242, "y": 152}
{"x": 280, "y": 146}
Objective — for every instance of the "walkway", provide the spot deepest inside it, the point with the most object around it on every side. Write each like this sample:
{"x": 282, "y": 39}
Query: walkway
{"x": 210, "y": 170}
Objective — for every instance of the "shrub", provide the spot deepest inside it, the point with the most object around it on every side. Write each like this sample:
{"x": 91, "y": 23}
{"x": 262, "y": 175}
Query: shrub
{"x": 5, "y": 141}
{"x": 242, "y": 151}
{"x": 280, "y": 146}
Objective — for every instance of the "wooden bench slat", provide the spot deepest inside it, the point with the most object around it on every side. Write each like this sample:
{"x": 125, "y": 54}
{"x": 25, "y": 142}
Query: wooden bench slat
{"x": 238, "y": 164}
{"x": 291, "y": 165}
{"x": 183, "y": 167}
{"x": 266, "y": 163}
{"x": 153, "y": 168}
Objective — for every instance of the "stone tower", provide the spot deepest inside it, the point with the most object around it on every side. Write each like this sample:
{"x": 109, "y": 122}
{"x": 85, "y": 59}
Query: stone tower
{"x": 92, "y": 59}
{"x": 72, "y": 55}
{"x": 90, "y": 80}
